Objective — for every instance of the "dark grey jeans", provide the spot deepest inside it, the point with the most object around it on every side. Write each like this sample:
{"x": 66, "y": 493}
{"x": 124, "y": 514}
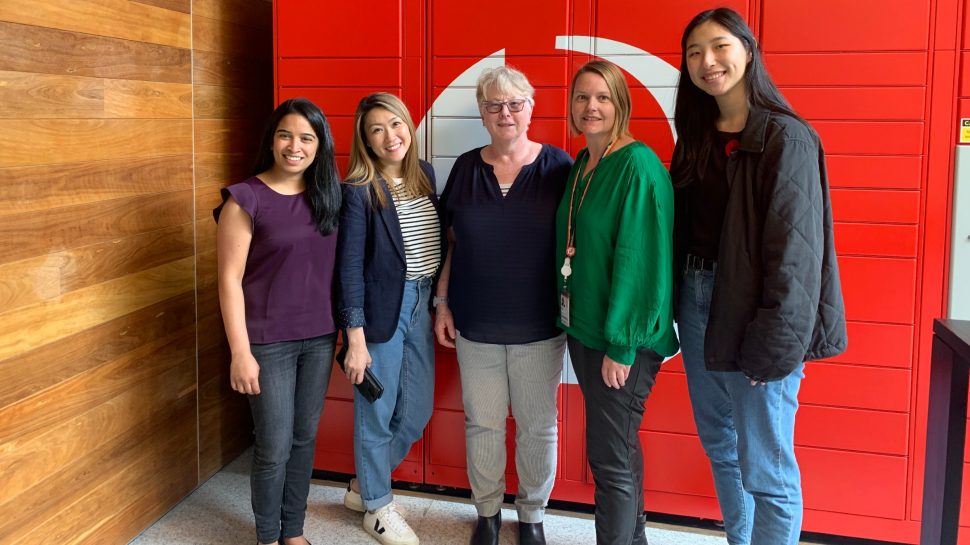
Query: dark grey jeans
{"x": 293, "y": 379}
{"x": 612, "y": 442}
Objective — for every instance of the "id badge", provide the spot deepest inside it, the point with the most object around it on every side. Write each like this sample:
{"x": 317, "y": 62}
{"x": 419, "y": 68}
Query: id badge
{"x": 564, "y": 307}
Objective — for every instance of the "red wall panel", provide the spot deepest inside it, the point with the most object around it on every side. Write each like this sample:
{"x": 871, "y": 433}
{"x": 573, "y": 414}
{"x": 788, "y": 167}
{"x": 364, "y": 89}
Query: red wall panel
{"x": 879, "y": 289}
{"x": 354, "y": 29}
{"x": 856, "y": 387}
{"x": 876, "y": 239}
{"x": 854, "y": 483}
{"x": 871, "y": 137}
{"x": 858, "y": 103}
{"x": 836, "y": 25}
{"x": 848, "y": 68}
{"x": 889, "y": 345}
{"x": 875, "y": 171}
{"x": 340, "y": 72}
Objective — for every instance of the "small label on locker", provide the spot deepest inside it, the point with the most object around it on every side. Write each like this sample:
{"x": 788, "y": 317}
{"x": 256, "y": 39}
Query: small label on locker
{"x": 965, "y": 130}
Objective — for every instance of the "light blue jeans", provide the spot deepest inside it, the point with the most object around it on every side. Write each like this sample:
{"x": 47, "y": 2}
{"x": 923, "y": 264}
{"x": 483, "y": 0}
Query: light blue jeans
{"x": 385, "y": 429}
{"x": 293, "y": 378}
{"x": 747, "y": 432}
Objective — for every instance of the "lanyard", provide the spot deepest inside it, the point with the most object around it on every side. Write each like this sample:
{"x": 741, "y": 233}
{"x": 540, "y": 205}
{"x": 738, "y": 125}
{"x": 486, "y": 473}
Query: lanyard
{"x": 570, "y": 224}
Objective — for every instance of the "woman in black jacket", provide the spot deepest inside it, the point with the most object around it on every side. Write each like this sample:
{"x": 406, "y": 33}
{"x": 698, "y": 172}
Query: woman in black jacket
{"x": 758, "y": 279}
{"x": 388, "y": 252}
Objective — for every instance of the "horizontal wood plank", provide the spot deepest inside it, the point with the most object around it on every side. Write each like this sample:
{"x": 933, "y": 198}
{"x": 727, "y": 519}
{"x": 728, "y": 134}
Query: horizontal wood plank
{"x": 184, "y": 6}
{"x": 76, "y": 140}
{"x": 58, "y": 361}
{"x": 29, "y": 95}
{"x": 212, "y": 102}
{"x": 221, "y": 169}
{"x": 42, "y": 187}
{"x": 81, "y": 225}
{"x": 242, "y": 12}
{"x": 230, "y": 38}
{"x": 26, "y": 48}
{"x": 31, "y": 327}
{"x": 225, "y": 136}
{"x": 143, "y": 99}
{"x": 115, "y": 18}
{"x": 213, "y": 68}
{"x": 50, "y": 276}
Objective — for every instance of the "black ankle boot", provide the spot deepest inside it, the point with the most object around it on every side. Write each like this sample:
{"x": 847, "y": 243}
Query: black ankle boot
{"x": 486, "y": 531}
{"x": 530, "y": 533}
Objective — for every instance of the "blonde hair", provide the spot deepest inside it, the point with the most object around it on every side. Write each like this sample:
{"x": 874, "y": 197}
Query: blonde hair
{"x": 364, "y": 168}
{"x": 619, "y": 95}
{"x": 503, "y": 79}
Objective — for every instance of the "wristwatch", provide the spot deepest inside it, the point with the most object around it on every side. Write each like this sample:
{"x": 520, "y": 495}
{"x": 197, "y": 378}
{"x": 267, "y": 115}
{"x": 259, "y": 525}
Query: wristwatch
{"x": 439, "y": 299}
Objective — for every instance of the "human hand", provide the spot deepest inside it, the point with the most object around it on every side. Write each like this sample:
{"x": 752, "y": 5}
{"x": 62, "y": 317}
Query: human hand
{"x": 357, "y": 361}
{"x": 444, "y": 326}
{"x": 244, "y": 373}
{"x": 614, "y": 373}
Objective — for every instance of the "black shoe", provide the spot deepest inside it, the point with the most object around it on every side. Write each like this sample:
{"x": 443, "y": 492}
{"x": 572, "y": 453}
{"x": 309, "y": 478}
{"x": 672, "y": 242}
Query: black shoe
{"x": 530, "y": 533}
{"x": 486, "y": 531}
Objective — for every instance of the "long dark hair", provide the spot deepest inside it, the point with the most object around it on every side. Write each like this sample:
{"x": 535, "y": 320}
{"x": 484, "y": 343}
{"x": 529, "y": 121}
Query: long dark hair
{"x": 322, "y": 182}
{"x": 696, "y": 112}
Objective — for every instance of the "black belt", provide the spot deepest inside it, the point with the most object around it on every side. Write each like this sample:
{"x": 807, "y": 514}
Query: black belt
{"x": 697, "y": 262}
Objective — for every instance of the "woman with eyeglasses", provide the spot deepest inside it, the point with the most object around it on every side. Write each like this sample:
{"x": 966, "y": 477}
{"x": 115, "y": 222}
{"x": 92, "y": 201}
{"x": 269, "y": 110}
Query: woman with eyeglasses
{"x": 388, "y": 250}
{"x": 496, "y": 303}
{"x": 613, "y": 253}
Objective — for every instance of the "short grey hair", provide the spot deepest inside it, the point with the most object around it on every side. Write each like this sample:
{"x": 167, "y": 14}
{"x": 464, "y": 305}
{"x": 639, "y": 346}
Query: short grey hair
{"x": 505, "y": 80}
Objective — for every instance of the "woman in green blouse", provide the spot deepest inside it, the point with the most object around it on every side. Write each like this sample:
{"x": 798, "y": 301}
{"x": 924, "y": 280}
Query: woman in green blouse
{"x": 614, "y": 229}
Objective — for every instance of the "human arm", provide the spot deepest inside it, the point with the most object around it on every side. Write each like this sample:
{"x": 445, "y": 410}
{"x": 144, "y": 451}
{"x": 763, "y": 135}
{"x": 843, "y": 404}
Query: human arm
{"x": 351, "y": 239}
{"x": 444, "y": 322}
{"x": 639, "y": 312}
{"x": 234, "y": 235}
{"x": 792, "y": 246}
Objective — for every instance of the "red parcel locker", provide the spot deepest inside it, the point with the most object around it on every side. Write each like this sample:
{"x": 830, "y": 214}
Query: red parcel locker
{"x": 878, "y": 84}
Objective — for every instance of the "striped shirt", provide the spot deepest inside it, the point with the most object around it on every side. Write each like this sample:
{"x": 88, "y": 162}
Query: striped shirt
{"x": 420, "y": 232}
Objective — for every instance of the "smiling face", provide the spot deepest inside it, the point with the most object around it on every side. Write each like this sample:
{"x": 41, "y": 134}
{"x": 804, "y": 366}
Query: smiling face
{"x": 592, "y": 108}
{"x": 388, "y": 137}
{"x": 294, "y": 144}
{"x": 506, "y": 125}
{"x": 716, "y": 61}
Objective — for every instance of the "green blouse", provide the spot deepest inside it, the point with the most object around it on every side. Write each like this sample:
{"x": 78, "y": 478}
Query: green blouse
{"x": 621, "y": 286}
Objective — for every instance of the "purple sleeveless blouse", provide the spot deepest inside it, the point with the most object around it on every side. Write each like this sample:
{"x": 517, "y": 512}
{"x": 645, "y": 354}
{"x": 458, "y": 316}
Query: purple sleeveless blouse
{"x": 288, "y": 279}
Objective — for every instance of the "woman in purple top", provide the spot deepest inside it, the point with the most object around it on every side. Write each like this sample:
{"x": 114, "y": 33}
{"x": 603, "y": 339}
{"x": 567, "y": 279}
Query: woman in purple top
{"x": 276, "y": 245}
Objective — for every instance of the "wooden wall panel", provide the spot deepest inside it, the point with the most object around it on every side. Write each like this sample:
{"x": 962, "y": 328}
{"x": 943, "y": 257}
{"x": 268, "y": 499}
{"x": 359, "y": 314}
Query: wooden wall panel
{"x": 233, "y": 96}
{"x": 115, "y": 18}
{"x": 111, "y": 400}
{"x": 25, "y": 48}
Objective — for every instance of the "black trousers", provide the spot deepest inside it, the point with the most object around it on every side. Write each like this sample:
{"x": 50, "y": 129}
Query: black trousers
{"x": 612, "y": 443}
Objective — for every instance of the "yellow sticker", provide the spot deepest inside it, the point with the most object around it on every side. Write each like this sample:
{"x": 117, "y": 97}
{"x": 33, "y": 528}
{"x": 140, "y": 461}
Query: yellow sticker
{"x": 965, "y": 130}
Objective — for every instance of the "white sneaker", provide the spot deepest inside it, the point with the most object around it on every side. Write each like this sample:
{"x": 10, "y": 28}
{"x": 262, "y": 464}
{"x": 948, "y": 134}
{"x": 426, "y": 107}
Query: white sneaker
{"x": 352, "y": 500}
{"x": 388, "y": 526}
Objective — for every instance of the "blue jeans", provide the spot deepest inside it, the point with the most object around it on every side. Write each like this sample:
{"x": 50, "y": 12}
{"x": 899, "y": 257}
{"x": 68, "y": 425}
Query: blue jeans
{"x": 747, "y": 432}
{"x": 293, "y": 379}
{"x": 385, "y": 429}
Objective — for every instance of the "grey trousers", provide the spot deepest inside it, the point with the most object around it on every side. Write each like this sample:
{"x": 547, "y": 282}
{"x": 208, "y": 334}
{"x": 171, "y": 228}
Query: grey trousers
{"x": 527, "y": 376}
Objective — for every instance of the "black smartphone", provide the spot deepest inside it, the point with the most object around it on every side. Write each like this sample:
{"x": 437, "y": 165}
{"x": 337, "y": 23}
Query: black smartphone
{"x": 371, "y": 388}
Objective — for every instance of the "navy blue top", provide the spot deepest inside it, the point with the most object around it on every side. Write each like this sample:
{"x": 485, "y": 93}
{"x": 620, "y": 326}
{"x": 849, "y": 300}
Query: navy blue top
{"x": 502, "y": 287}
{"x": 287, "y": 283}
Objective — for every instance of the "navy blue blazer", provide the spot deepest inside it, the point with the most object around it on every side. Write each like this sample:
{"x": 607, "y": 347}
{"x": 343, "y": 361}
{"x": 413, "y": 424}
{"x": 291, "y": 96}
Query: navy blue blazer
{"x": 371, "y": 267}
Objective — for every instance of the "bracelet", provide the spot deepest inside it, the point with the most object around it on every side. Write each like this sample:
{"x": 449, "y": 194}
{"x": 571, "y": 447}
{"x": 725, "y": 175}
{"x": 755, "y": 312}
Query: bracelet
{"x": 438, "y": 300}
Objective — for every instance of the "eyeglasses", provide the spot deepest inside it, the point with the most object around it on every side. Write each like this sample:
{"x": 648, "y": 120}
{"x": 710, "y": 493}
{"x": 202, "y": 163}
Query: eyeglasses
{"x": 515, "y": 105}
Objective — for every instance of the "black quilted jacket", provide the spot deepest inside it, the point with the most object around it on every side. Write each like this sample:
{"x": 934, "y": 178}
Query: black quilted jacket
{"x": 777, "y": 297}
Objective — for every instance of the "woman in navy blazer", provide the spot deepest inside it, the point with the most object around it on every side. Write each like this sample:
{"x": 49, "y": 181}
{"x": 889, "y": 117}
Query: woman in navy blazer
{"x": 388, "y": 252}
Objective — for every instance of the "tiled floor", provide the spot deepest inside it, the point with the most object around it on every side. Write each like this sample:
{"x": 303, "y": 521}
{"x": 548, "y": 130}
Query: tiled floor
{"x": 219, "y": 513}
